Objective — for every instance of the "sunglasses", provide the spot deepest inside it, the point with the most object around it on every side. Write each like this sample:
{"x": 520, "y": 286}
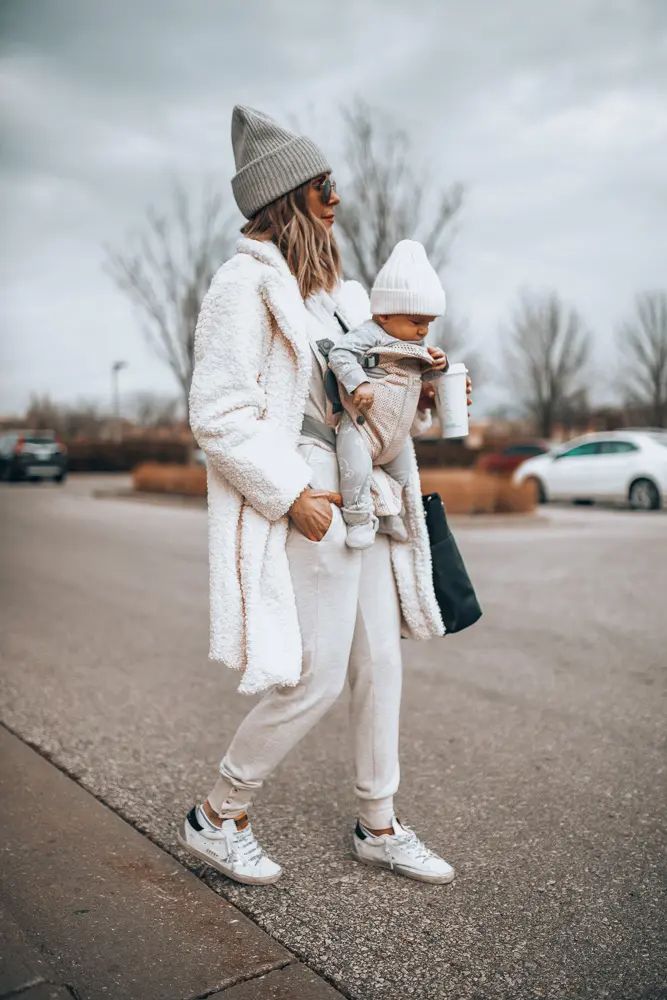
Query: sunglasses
{"x": 326, "y": 186}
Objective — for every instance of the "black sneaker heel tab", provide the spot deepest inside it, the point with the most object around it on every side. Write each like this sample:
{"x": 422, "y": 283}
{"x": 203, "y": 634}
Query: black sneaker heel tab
{"x": 360, "y": 832}
{"x": 193, "y": 821}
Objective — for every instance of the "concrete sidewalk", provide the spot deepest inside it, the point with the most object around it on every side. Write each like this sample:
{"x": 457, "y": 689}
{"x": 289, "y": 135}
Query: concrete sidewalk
{"x": 90, "y": 908}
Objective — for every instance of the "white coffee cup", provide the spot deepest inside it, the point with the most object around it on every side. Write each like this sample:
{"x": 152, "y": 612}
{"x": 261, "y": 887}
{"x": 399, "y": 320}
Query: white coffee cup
{"x": 452, "y": 401}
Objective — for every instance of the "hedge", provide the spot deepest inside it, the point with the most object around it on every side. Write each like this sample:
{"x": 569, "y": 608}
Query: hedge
{"x": 122, "y": 456}
{"x": 182, "y": 480}
{"x": 467, "y": 491}
{"x": 463, "y": 491}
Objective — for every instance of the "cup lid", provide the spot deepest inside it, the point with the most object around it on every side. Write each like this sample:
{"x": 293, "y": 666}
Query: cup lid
{"x": 458, "y": 369}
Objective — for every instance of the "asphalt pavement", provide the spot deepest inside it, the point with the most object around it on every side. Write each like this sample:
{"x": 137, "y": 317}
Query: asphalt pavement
{"x": 532, "y": 745}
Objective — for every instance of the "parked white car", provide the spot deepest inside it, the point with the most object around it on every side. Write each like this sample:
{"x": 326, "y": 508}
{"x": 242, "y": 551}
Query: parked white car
{"x": 621, "y": 466}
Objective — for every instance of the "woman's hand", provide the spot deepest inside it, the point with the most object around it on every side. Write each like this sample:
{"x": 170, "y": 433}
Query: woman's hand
{"x": 311, "y": 512}
{"x": 440, "y": 364}
{"x": 427, "y": 394}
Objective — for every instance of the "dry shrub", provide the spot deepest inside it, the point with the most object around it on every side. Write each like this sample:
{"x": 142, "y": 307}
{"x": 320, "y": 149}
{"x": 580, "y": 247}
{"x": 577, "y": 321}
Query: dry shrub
{"x": 469, "y": 492}
{"x": 464, "y": 491}
{"x": 515, "y": 498}
{"x": 184, "y": 480}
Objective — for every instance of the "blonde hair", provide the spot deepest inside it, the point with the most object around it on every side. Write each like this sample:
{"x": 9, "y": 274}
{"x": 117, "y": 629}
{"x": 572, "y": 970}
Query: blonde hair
{"x": 304, "y": 241}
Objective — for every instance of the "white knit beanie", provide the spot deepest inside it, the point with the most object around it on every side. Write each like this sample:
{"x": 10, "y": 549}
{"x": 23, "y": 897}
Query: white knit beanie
{"x": 408, "y": 284}
{"x": 270, "y": 159}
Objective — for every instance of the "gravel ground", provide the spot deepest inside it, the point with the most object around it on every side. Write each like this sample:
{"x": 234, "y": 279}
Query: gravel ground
{"x": 532, "y": 752}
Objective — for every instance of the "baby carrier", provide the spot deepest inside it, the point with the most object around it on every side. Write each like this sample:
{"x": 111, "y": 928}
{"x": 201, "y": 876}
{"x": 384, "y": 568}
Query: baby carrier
{"x": 380, "y": 364}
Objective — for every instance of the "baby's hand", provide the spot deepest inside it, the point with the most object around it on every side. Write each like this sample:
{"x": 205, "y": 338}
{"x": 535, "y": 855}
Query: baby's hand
{"x": 440, "y": 359}
{"x": 362, "y": 397}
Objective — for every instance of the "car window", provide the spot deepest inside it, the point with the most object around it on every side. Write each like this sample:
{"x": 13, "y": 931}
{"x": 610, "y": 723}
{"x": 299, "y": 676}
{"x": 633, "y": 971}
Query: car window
{"x": 617, "y": 447}
{"x": 589, "y": 448}
{"x": 523, "y": 449}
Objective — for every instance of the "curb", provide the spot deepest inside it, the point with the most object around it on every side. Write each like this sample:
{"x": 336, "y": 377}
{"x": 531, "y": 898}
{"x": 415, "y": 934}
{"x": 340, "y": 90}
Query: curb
{"x": 99, "y": 909}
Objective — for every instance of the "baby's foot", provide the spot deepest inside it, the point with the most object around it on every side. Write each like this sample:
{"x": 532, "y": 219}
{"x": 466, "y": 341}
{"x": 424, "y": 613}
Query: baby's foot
{"x": 394, "y": 526}
{"x": 361, "y": 536}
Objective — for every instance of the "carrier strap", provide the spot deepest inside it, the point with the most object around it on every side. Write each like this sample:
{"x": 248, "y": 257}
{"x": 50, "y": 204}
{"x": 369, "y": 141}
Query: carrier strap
{"x": 311, "y": 427}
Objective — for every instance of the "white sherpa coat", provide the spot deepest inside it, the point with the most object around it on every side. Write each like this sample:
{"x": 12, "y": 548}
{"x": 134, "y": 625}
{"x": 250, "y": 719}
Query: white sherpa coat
{"x": 252, "y": 367}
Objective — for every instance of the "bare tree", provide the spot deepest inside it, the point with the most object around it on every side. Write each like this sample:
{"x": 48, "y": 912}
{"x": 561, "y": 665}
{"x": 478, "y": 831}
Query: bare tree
{"x": 451, "y": 333}
{"x": 151, "y": 409}
{"x": 168, "y": 272}
{"x": 385, "y": 197}
{"x": 81, "y": 419}
{"x": 643, "y": 345}
{"x": 43, "y": 413}
{"x": 546, "y": 349}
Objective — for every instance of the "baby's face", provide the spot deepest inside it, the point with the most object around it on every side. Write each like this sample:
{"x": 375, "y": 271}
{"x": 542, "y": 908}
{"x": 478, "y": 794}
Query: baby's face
{"x": 404, "y": 327}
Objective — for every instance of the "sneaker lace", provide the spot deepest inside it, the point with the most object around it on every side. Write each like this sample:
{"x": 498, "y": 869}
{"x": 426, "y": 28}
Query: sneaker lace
{"x": 410, "y": 843}
{"x": 244, "y": 847}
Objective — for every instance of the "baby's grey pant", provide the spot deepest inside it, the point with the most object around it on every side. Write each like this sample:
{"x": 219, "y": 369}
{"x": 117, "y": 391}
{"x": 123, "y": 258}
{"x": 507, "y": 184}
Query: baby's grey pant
{"x": 356, "y": 469}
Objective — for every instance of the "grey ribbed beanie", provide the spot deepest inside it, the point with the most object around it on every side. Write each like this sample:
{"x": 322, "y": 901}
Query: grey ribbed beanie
{"x": 270, "y": 160}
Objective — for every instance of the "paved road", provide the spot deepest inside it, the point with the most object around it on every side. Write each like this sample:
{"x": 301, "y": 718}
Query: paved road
{"x": 531, "y": 747}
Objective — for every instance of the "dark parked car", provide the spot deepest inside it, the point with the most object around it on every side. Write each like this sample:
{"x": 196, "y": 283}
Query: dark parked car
{"x": 508, "y": 459}
{"x": 32, "y": 455}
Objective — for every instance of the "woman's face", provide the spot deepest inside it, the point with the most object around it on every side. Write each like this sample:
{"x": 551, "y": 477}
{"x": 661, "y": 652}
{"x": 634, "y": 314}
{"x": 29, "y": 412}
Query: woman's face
{"x": 326, "y": 213}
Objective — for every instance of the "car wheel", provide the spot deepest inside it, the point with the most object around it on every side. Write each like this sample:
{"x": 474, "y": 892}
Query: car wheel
{"x": 60, "y": 478}
{"x": 539, "y": 488}
{"x": 644, "y": 495}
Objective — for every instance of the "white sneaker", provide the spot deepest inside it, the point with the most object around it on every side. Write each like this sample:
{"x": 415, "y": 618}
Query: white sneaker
{"x": 402, "y": 852}
{"x": 229, "y": 850}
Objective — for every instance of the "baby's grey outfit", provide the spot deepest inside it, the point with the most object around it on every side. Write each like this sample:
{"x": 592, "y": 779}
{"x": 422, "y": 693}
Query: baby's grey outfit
{"x": 395, "y": 369}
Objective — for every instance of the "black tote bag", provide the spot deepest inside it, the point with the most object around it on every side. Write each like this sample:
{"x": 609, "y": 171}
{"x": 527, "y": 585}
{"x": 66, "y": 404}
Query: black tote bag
{"x": 454, "y": 592}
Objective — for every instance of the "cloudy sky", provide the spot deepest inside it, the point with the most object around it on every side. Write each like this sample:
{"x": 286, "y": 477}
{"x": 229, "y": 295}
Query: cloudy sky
{"x": 553, "y": 115}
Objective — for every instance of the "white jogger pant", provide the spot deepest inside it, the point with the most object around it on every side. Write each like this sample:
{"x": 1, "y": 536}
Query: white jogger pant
{"x": 349, "y": 617}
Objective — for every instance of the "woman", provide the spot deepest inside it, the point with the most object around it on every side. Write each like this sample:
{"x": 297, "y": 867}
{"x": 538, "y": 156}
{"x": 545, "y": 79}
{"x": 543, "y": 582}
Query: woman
{"x": 291, "y": 606}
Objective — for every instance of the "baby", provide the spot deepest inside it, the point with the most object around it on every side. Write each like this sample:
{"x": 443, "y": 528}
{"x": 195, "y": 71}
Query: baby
{"x": 381, "y": 365}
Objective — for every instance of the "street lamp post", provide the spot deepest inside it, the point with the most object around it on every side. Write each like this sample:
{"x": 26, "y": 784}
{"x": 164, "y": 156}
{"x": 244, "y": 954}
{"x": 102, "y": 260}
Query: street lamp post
{"x": 115, "y": 368}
